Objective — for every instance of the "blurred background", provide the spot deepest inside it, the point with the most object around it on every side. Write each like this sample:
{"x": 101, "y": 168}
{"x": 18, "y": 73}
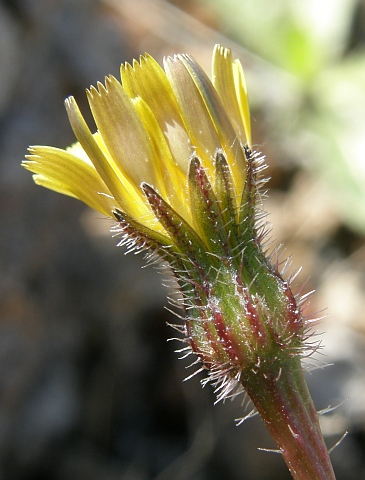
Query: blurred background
{"x": 89, "y": 386}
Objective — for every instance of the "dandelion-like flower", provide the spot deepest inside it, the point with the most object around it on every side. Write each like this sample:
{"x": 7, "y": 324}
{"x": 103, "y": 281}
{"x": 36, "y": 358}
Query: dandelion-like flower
{"x": 172, "y": 162}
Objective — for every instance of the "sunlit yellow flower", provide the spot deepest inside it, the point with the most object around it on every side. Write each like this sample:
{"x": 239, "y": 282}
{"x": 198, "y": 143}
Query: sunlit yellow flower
{"x": 172, "y": 163}
{"x": 149, "y": 126}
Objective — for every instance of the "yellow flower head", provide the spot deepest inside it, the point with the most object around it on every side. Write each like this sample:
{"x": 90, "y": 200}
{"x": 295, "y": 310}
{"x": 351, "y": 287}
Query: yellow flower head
{"x": 149, "y": 128}
{"x": 171, "y": 161}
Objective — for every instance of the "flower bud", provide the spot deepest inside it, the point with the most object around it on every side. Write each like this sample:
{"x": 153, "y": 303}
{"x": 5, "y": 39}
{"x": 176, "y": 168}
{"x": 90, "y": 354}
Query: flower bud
{"x": 172, "y": 163}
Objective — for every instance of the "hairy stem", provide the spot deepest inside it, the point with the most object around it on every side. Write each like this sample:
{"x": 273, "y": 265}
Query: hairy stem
{"x": 282, "y": 398}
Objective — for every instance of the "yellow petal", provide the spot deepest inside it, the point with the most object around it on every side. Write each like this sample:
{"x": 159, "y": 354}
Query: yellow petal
{"x": 93, "y": 150}
{"x": 170, "y": 174}
{"x": 123, "y": 132}
{"x": 65, "y": 173}
{"x": 225, "y": 77}
{"x": 241, "y": 92}
{"x": 227, "y": 135}
{"x": 146, "y": 79}
{"x": 193, "y": 111}
{"x": 129, "y": 197}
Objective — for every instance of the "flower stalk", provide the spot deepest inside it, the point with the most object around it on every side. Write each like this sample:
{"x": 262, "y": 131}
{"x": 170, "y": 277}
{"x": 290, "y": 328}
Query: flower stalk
{"x": 172, "y": 163}
{"x": 285, "y": 405}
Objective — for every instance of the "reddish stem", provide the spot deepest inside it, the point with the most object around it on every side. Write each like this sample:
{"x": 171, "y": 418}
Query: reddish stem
{"x": 286, "y": 407}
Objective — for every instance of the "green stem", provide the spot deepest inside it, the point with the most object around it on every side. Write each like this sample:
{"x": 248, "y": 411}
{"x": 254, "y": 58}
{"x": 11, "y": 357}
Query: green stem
{"x": 286, "y": 407}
